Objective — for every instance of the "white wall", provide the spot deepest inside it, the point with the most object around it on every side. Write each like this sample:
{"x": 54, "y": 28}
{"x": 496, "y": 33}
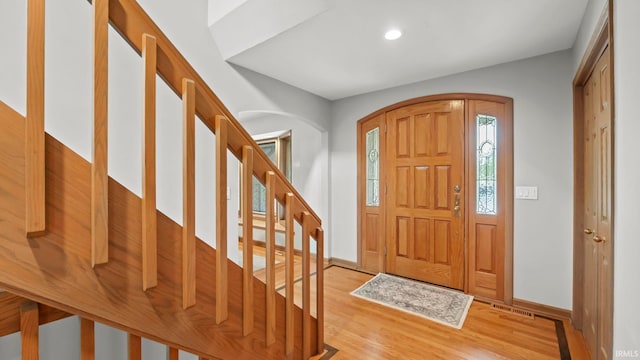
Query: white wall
{"x": 541, "y": 91}
{"x": 626, "y": 329}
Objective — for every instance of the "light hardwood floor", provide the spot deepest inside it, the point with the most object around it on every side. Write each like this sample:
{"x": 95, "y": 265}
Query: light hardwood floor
{"x": 360, "y": 329}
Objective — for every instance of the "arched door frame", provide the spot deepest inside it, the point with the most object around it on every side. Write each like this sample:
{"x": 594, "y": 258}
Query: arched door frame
{"x": 507, "y": 188}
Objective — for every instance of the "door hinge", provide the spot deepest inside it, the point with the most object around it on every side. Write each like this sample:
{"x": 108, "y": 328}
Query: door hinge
{"x": 385, "y": 188}
{"x": 385, "y": 250}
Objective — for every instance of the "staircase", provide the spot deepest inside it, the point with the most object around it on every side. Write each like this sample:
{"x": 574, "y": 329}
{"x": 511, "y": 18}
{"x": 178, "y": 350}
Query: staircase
{"x": 79, "y": 243}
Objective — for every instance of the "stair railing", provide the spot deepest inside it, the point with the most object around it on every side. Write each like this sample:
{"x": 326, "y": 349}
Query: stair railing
{"x": 161, "y": 57}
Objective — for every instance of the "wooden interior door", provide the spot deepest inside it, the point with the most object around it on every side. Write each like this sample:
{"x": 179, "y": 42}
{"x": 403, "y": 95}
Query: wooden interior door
{"x": 425, "y": 203}
{"x": 598, "y": 271}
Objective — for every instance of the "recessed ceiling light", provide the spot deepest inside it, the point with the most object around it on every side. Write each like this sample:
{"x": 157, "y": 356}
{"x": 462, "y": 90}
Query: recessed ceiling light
{"x": 392, "y": 34}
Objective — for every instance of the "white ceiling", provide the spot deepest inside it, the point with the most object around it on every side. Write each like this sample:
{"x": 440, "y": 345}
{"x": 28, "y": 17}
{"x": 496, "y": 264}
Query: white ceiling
{"x": 338, "y": 49}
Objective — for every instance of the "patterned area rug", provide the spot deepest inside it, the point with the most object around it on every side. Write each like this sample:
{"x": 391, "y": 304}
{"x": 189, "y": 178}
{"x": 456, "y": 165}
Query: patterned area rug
{"x": 444, "y": 306}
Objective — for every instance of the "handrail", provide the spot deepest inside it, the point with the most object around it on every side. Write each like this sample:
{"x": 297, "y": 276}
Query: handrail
{"x": 131, "y": 21}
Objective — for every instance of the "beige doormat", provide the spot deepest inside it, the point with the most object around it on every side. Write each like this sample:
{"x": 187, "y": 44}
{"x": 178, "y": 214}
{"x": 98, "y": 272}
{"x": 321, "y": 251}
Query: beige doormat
{"x": 444, "y": 306}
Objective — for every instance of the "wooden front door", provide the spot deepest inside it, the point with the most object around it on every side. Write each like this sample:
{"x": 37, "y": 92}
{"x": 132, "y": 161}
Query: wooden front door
{"x": 425, "y": 203}
{"x": 598, "y": 273}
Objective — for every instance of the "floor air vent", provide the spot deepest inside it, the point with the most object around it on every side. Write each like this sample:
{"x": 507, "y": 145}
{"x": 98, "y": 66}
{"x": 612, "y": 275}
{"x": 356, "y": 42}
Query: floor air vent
{"x": 513, "y": 310}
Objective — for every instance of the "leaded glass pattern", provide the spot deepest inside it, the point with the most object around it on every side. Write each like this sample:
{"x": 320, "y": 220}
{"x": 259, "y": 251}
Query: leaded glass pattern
{"x": 486, "y": 165}
{"x": 373, "y": 167}
{"x": 259, "y": 191}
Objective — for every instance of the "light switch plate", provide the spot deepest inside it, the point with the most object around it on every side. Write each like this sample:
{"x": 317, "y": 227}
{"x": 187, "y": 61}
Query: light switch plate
{"x": 527, "y": 192}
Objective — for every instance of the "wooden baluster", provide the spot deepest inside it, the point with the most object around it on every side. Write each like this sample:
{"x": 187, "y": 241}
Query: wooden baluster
{"x": 270, "y": 229}
{"x": 289, "y": 275}
{"x": 221, "y": 220}
{"x": 320, "y": 289}
{"x": 135, "y": 347}
{"x": 87, "y": 339}
{"x": 29, "y": 330}
{"x": 247, "y": 239}
{"x": 34, "y": 134}
{"x": 99, "y": 165}
{"x": 173, "y": 354}
{"x": 149, "y": 221}
{"x": 188, "y": 194}
{"x": 306, "y": 286}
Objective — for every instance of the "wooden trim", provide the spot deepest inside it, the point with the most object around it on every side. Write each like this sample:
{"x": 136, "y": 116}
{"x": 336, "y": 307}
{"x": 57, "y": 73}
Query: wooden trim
{"x": 270, "y": 231}
{"x": 135, "y": 347}
{"x": 541, "y": 309}
{"x": 173, "y": 353}
{"x": 29, "y": 330}
{"x": 128, "y": 17}
{"x": 344, "y": 263}
{"x": 149, "y": 221}
{"x": 34, "y": 136}
{"x": 100, "y": 163}
{"x": 599, "y": 41}
{"x": 320, "y": 291}
{"x": 188, "y": 194}
{"x": 437, "y": 97}
{"x": 10, "y": 313}
{"x": 222, "y": 282}
{"x": 247, "y": 233}
{"x": 87, "y": 340}
{"x": 306, "y": 287}
{"x": 509, "y": 185}
{"x": 289, "y": 276}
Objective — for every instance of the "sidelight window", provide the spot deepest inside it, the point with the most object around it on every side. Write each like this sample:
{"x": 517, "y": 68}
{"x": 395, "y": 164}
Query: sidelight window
{"x": 486, "y": 165}
{"x": 373, "y": 167}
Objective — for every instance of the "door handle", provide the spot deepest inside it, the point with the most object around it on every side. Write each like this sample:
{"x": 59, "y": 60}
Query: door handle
{"x": 456, "y": 205}
{"x": 588, "y": 231}
{"x": 599, "y": 239}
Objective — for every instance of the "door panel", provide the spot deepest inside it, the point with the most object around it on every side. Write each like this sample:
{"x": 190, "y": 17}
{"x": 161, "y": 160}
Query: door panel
{"x": 488, "y": 202}
{"x": 603, "y": 190}
{"x": 598, "y": 277}
{"x": 426, "y": 161}
{"x": 371, "y": 199}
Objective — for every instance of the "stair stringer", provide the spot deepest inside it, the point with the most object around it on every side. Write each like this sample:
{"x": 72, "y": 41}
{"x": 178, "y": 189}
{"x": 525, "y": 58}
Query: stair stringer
{"x": 55, "y": 269}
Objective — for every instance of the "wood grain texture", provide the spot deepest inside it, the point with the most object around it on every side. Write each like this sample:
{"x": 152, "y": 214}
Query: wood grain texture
{"x": 135, "y": 347}
{"x": 188, "y": 194}
{"x": 320, "y": 291}
{"x": 99, "y": 168}
{"x": 112, "y": 295}
{"x": 289, "y": 273}
{"x": 29, "y": 331}
{"x": 222, "y": 281}
{"x": 173, "y": 353}
{"x": 34, "y": 140}
{"x": 364, "y": 330}
{"x": 270, "y": 240}
{"x": 247, "y": 235}
{"x": 87, "y": 340}
{"x": 371, "y": 224}
{"x": 128, "y": 17}
{"x": 306, "y": 287}
{"x": 149, "y": 222}
{"x": 10, "y": 313}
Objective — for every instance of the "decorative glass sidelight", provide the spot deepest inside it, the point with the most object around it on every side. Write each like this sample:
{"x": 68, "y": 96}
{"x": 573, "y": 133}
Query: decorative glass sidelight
{"x": 373, "y": 167}
{"x": 486, "y": 165}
